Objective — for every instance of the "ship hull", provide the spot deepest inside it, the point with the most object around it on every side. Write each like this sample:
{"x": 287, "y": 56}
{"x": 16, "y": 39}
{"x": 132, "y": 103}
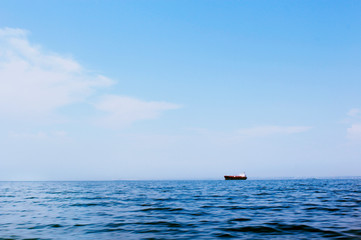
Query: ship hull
{"x": 235, "y": 177}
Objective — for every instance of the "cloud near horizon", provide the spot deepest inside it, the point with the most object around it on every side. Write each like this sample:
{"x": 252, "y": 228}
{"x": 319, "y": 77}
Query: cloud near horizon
{"x": 262, "y": 131}
{"x": 38, "y": 135}
{"x": 34, "y": 82}
{"x": 353, "y": 112}
{"x": 121, "y": 110}
{"x": 354, "y": 132}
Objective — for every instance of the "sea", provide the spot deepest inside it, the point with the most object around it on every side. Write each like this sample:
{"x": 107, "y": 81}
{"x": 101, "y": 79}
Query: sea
{"x": 214, "y": 209}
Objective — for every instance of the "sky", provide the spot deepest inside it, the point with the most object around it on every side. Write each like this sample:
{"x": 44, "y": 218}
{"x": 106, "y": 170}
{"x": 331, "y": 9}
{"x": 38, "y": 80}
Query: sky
{"x": 157, "y": 90}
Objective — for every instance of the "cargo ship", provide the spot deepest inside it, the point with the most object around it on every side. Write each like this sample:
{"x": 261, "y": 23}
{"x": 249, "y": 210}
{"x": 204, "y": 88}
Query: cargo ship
{"x": 237, "y": 177}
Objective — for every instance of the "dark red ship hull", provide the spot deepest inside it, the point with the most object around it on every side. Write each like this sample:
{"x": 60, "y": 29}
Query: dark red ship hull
{"x": 235, "y": 177}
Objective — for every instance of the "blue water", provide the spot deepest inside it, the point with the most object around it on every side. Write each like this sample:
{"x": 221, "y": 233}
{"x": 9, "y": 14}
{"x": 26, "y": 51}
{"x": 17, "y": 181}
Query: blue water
{"x": 251, "y": 209}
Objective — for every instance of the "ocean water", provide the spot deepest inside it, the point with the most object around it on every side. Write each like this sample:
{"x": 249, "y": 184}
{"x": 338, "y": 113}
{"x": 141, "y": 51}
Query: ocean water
{"x": 251, "y": 209}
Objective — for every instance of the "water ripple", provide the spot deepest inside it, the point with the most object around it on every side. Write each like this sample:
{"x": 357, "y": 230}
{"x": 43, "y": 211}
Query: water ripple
{"x": 275, "y": 209}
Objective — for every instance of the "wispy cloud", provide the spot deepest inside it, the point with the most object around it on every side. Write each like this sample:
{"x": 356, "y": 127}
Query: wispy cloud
{"x": 353, "y": 112}
{"x": 261, "y": 131}
{"x": 34, "y": 82}
{"x": 354, "y": 132}
{"x": 121, "y": 111}
{"x": 38, "y": 135}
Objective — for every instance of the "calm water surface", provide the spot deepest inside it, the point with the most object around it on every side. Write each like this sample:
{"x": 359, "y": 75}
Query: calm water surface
{"x": 252, "y": 209}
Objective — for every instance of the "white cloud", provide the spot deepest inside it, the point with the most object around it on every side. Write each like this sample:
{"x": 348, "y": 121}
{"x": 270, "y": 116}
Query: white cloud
{"x": 38, "y": 135}
{"x": 35, "y": 82}
{"x": 354, "y": 132}
{"x": 261, "y": 131}
{"x": 121, "y": 110}
{"x": 353, "y": 112}
{"x": 5, "y": 32}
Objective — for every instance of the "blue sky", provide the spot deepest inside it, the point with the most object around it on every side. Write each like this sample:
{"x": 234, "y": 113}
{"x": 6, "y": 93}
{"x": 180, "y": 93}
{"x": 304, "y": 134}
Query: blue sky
{"x": 94, "y": 90}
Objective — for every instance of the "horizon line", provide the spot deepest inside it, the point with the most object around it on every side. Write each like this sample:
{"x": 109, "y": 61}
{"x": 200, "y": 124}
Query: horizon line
{"x": 205, "y": 179}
